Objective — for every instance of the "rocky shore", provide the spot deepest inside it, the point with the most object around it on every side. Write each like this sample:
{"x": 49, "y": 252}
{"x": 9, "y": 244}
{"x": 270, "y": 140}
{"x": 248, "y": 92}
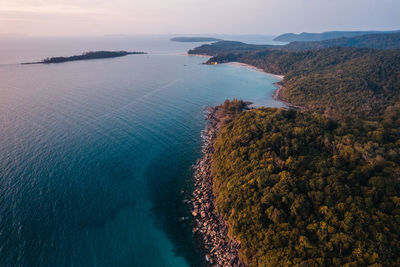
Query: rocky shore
{"x": 210, "y": 228}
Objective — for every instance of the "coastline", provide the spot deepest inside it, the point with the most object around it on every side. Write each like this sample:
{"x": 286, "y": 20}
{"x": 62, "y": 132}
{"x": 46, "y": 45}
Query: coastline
{"x": 210, "y": 228}
{"x": 278, "y": 96}
{"x": 278, "y": 93}
{"x": 198, "y": 55}
{"x": 240, "y": 64}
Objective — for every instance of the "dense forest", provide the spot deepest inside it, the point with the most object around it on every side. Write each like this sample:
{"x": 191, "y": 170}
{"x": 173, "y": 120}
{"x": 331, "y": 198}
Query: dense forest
{"x": 310, "y": 37}
{"x": 225, "y": 47}
{"x": 300, "y": 189}
{"x": 378, "y": 41}
{"x": 338, "y": 81}
{"x": 318, "y": 187}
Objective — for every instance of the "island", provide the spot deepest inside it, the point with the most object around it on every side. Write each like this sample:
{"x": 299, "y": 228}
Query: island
{"x": 309, "y": 37}
{"x": 87, "y": 56}
{"x": 194, "y": 39}
{"x": 312, "y": 186}
{"x": 234, "y": 48}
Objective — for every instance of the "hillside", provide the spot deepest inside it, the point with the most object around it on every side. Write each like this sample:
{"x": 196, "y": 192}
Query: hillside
{"x": 334, "y": 81}
{"x": 309, "y": 37}
{"x": 224, "y": 47}
{"x": 298, "y": 189}
{"x": 378, "y": 41}
{"x": 317, "y": 187}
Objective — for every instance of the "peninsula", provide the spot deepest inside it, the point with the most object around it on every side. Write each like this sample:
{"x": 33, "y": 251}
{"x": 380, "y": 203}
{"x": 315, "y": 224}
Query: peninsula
{"x": 316, "y": 186}
{"x": 194, "y": 39}
{"x": 87, "y": 56}
{"x": 310, "y": 37}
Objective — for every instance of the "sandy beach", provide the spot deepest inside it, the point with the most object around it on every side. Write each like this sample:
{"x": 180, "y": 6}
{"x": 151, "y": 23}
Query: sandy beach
{"x": 278, "y": 94}
{"x": 198, "y": 55}
{"x": 255, "y": 68}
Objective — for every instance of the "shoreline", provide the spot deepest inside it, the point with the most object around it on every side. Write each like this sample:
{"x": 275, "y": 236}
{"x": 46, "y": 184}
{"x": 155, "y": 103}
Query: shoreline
{"x": 210, "y": 228}
{"x": 240, "y": 64}
{"x": 278, "y": 93}
{"x": 278, "y": 96}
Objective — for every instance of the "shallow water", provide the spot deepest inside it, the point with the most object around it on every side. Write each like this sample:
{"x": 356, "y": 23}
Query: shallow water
{"x": 95, "y": 156}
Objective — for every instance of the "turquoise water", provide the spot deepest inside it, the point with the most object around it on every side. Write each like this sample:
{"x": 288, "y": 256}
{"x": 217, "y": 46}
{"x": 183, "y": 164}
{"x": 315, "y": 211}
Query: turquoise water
{"x": 95, "y": 156}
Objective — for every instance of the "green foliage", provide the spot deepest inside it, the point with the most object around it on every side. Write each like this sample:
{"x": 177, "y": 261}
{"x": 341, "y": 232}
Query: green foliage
{"x": 90, "y": 55}
{"x": 300, "y": 189}
{"x": 335, "y": 81}
{"x": 224, "y": 47}
{"x": 233, "y": 107}
{"x": 378, "y": 41}
{"x": 332, "y": 35}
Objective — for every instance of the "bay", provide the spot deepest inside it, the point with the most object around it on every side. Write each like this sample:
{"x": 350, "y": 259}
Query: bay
{"x": 96, "y": 156}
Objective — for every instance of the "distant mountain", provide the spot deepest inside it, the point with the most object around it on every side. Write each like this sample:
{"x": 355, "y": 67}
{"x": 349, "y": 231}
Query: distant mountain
{"x": 377, "y": 41}
{"x": 194, "y": 39}
{"x": 310, "y": 37}
{"x": 227, "y": 46}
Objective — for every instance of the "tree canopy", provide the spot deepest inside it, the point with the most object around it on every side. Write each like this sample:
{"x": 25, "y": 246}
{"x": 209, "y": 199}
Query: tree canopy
{"x": 338, "y": 81}
{"x": 300, "y": 189}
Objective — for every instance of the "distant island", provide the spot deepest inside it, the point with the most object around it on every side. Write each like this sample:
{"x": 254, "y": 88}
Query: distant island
{"x": 87, "y": 56}
{"x": 194, "y": 39}
{"x": 229, "y": 50}
{"x": 310, "y": 37}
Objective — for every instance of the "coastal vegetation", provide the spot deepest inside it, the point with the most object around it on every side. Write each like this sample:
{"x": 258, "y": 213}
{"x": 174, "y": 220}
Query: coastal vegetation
{"x": 310, "y": 37}
{"x": 374, "y": 41}
{"x": 320, "y": 186}
{"x": 87, "y": 56}
{"x": 301, "y": 189}
{"x": 377, "y": 41}
{"x": 336, "y": 81}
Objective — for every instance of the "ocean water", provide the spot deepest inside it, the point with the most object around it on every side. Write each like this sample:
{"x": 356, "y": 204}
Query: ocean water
{"x": 96, "y": 156}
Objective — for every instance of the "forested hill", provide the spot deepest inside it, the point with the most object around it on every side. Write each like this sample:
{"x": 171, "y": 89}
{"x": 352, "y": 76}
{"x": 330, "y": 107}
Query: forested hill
{"x": 379, "y": 41}
{"x": 298, "y": 189}
{"x": 318, "y": 187}
{"x": 223, "y": 47}
{"x": 310, "y": 37}
{"x": 335, "y": 81}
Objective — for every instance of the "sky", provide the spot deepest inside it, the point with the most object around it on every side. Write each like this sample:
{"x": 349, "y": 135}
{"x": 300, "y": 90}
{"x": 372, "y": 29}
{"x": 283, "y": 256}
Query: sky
{"x": 267, "y": 17}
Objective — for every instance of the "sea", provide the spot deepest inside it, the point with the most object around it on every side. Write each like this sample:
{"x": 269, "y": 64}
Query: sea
{"x": 96, "y": 156}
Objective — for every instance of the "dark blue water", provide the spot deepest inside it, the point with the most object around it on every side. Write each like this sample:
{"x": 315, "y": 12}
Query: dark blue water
{"x": 95, "y": 156}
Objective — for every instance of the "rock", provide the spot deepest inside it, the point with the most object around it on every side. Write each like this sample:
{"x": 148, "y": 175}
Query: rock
{"x": 221, "y": 250}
